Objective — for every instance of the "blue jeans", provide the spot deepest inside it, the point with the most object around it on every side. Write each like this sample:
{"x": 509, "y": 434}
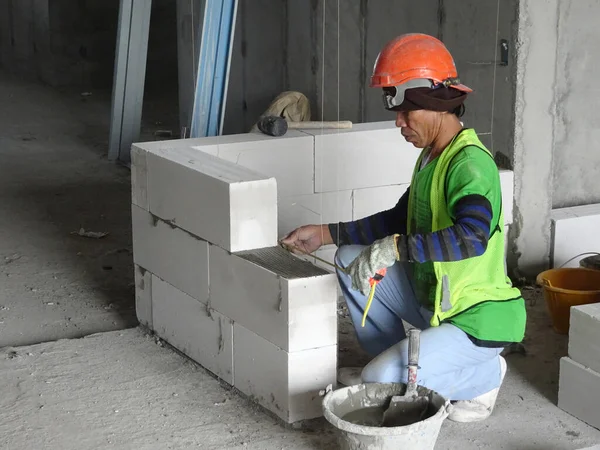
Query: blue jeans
{"x": 450, "y": 363}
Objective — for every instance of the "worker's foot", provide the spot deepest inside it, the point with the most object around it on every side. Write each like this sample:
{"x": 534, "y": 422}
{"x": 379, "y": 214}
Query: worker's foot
{"x": 480, "y": 408}
{"x": 350, "y": 376}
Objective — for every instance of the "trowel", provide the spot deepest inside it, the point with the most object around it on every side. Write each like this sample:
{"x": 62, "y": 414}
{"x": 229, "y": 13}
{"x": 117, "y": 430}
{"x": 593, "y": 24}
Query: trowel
{"x": 408, "y": 408}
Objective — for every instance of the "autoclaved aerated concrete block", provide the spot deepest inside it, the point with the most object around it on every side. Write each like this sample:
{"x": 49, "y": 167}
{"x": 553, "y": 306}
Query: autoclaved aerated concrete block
{"x": 323, "y": 208}
{"x": 584, "y": 336}
{"x": 289, "y": 158}
{"x": 508, "y": 194}
{"x": 188, "y": 325}
{"x": 327, "y": 252}
{"x": 216, "y": 200}
{"x": 173, "y": 254}
{"x": 139, "y": 177}
{"x": 286, "y": 384}
{"x": 579, "y": 391}
{"x": 370, "y": 154}
{"x": 574, "y": 231}
{"x": 143, "y": 295}
{"x": 369, "y": 201}
{"x": 286, "y": 300}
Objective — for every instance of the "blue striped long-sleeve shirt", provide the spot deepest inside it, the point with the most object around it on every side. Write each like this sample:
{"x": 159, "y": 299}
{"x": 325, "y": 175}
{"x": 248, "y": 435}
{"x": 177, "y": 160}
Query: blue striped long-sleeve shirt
{"x": 467, "y": 238}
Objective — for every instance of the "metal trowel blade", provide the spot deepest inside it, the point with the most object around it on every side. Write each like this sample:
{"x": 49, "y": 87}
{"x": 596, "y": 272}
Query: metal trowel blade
{"x": 405, "y": 411}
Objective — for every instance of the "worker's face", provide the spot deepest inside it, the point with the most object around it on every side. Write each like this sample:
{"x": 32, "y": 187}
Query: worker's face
{"x": 418, "y": 127}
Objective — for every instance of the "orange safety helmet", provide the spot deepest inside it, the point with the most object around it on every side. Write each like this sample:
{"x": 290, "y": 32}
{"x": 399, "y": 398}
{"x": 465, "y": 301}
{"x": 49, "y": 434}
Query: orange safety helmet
{"x": 414, "y": 60}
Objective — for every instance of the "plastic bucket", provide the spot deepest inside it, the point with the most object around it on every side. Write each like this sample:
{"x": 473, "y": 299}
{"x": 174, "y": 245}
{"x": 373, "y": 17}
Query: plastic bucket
{"x": 352, "y": 436}
{"x": 568, "y": 287}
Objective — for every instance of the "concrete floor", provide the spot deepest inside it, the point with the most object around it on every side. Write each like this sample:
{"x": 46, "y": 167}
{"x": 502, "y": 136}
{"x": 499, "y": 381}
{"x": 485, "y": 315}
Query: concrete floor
{"x": 119, "y": 389}
{"x": 56, "y": 180}
{"x": 125, "y": 390}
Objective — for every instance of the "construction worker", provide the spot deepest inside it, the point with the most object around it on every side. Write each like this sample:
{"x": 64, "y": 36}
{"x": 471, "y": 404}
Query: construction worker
{"x": 442, "y": 245}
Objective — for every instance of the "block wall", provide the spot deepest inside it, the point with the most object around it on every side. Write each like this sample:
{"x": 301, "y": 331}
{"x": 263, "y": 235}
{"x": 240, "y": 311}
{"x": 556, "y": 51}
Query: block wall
{"x": 212, "y": 281}
{"x": 210, "y": 277}
{"x": 325, "y": 176}
{"x": 579, "y": 383}
{"x": 574, "y": 231}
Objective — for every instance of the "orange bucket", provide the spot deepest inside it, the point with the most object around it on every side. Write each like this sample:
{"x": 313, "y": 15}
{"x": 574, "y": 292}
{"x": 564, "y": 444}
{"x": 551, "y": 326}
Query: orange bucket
{"x": 564, "y": 288}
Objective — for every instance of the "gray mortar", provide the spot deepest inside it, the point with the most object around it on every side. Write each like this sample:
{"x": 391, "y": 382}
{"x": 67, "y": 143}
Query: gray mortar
{"x": 282, "y": 263}
{"x": 422, "y": 435}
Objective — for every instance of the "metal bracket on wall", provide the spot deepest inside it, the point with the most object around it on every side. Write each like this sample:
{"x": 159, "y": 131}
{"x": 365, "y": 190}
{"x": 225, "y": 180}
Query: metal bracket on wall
{"x": 503, "y": 56}
{"x": 213, "y": 67}
{"x": 129, "y": 78}
{"x": 503, "y": 52}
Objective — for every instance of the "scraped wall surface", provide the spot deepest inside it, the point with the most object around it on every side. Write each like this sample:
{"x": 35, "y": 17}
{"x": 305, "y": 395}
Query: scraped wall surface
{"x": 533, "y": 135}
{"x": 557, "y": 132}
{"x": 577, "y": 126}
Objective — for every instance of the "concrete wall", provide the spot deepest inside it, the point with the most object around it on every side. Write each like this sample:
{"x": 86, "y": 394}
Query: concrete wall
{"x": 549, "y": 137}
{"x": 59, "y": 42}
{"x": 557, "y": 132}
{"x": 82, "y": 42}
{"x": 25, "y": 37}
{"x": 279, "y": 45}
{"x": 577, "y": 126}
{"x": 328, "y": 55}
{"x": 72, "y": 43}
{"x": 258, "y": 63}
{"x": 533, "y": 135}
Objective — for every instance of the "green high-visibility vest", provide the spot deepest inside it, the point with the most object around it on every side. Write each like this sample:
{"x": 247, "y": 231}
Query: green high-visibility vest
{"x": 461, "y": 285}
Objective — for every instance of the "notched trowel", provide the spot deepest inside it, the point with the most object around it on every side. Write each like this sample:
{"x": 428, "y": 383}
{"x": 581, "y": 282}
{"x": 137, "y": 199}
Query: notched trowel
{"x": 408, "y": 408}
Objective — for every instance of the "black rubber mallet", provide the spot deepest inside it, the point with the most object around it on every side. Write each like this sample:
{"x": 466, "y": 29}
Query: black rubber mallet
{"x": 278, "y": 126}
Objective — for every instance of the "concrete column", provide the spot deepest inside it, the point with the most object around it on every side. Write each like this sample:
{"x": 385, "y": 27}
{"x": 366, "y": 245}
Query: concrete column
{"x": 534, "y": 134}
{"x": 577, "y": 137}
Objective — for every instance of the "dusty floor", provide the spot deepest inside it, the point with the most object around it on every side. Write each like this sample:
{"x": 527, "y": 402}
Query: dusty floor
{"x": 55, "y": 180}
{"x": 125, "y": 390}
{"x": 119, "y": 389}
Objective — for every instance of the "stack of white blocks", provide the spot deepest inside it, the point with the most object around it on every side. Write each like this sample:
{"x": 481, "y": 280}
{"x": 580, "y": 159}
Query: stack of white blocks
{"x": 579, "y": 386}
{"x": 326, "y": 176}
{"x": 574, "y": 231}
{"x": 210, "y": 279}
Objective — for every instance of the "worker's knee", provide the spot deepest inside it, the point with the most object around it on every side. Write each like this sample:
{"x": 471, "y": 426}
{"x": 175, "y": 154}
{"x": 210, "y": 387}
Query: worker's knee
{"x": 389, "y": 366}
{"x": 346, "y": 254}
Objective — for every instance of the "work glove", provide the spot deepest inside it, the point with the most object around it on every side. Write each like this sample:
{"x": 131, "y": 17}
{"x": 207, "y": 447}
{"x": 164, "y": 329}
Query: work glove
{"x": 379, "y": 255}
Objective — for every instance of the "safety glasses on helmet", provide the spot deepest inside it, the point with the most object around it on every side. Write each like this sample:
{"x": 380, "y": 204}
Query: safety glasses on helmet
{"x": 393, "y": 96}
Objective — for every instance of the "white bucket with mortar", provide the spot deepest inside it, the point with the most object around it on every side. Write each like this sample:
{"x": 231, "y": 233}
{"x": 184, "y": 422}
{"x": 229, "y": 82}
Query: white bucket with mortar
{"x": 373, "y": 399}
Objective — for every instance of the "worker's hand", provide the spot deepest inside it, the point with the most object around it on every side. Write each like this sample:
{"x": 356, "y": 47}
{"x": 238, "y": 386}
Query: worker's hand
{"x": 379, "y": 255}
{"x": 308, "y": 238}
